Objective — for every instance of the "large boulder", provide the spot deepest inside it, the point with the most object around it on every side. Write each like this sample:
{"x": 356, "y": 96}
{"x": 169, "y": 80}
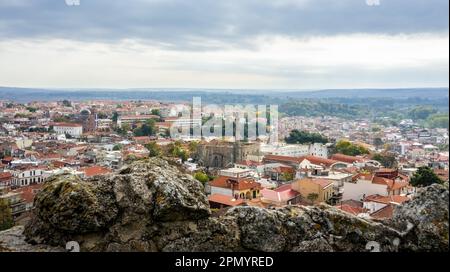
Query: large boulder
{"x": 425, "y": 220}
{"x": 151, "y": 206}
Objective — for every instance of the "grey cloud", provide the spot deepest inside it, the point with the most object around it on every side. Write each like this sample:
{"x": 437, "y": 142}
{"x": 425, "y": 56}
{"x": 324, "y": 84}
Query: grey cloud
{"x": 188, "y": 24}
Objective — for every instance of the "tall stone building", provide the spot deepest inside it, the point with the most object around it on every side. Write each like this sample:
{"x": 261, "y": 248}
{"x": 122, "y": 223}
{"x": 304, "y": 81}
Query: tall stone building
{"x": 221, "y": 154}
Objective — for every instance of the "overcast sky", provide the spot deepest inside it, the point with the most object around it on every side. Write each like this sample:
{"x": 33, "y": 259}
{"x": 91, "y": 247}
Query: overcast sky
{"x": 269, "y": 44}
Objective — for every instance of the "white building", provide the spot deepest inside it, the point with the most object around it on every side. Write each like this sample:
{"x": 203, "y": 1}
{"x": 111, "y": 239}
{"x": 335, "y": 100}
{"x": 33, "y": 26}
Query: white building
{"x": 74, "y": 130}
{"x": 295, "y": 150}
{"x": 318, "y": 150}
{"x": 27, "y": 177}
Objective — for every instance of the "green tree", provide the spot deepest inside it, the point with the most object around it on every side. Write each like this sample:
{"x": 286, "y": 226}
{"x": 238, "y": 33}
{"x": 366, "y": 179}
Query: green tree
{"x": 388, "y": 160}
{"x": 347, "y": 148}
{"x": 6, "y": 219}
{"x": 154, "y": 149}
{"x": 312, "y": 197}
{"x": 421, "y": 112}
{"x": 31, "y": 109}
{"x": 287, "y": 176}
{"x": 202, "y": 177}
{"x": 378, "y": 142}
{"x": 115, "y": 117}
{"x": 117, "y": 147}
{"x": 303, "y": 137}
{"x": 156, "y": 112}
{"x": 66, "y": 103}
{"x": 438, "y": 121}
{"x": 424, "y": 176}
{"x": 147, "y": 129}
{"x": 102, "y": 115}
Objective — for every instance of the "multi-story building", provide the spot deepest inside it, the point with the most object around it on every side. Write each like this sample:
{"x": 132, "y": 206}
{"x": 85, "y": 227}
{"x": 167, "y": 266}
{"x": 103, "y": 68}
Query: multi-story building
{"x": 27, "y": 176}
{"x": 74, "y": 130}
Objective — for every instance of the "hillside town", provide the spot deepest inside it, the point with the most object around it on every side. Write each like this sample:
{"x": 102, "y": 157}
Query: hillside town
{"x": 359, "y": 166}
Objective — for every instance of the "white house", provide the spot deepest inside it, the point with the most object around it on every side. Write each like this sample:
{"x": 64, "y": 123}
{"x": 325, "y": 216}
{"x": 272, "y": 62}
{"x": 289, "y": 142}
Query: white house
{"x": 74, "y": 130}
{"x": 27, "y": 177}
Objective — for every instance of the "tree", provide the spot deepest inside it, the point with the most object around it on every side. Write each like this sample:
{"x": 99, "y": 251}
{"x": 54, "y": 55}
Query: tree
{"x": 287, "y": 176}
{"x": 193, "y": 147}
{"x": 303, "y": 137}
{"x": 102, "y": 115}
{"x": 347, "y": 148}
{"x": 66, "y": 103}
{"x": 176, "y": 150}
{"x": 312, "y": 197}
{"x": 6, "y": 219}
{"x": 424, "y": 176}
{"x": 147, "y": 129}
{"x": 378, "y": 142}
{"x": 202, "y": 177}
{"x": 421, "y": 112}
{"x": 115, "y": 117}
{"x": 388, "y": 160}
{"x": 31, "y": 109}
{"x": 156, "y": 112}
{"x": 117, "y": 147}
{"x": 438, "y": 121}
{"x": 154, "y": 149}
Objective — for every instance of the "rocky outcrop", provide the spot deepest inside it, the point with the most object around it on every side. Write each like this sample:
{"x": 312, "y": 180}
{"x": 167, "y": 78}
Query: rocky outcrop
{"x": 151, "y": 206}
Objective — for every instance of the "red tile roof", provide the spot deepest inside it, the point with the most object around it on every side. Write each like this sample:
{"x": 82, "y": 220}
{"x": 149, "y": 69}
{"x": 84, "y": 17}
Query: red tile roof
{"x": 350, "y": 209}
{"x": 66, "y": 125}
{"x": 281, "y": 194}
{"x": 5, "y": 175}
{"x": 298, "y": 160}
{"x": 386, "y": 199}
{"x": 384, "y": 213}
{"x": 324, "y": 183}
{"x": 346, "y": 158}
{"x": 29, "y": 192}
{"x": 95, "y": 171}
{"x": 225, "y": 200}
{"x": 241, "y": 184}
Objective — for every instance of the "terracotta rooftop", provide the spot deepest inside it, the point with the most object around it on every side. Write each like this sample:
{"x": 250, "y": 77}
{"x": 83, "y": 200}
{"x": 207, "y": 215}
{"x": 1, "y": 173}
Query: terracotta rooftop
{"x": 346, "y": 158}
{"x": 384, "y": 213}
{"x": 241, "y": 184}
{"x": 386, "y": 199}
{"x": 225, "y": 200}
{"x": 95, "y": 171}
{"x": 350, "y": 209}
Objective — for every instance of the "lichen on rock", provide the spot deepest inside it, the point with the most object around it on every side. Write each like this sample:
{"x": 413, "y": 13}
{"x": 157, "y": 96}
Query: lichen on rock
{"x": 151, "y": 206}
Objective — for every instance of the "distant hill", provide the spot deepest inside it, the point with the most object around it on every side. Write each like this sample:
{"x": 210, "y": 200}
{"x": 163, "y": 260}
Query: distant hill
{"x": 217, "y": 96}
{"x": 429, "y": 93}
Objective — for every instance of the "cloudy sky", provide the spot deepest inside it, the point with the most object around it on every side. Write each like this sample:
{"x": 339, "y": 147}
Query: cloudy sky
{"x": 254, "y": 44}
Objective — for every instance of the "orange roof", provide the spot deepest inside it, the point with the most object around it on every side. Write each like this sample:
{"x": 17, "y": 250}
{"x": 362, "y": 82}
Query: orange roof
{"x": 29, "y": 192}
{"x": 386, "y": 199}
{"x": 66, "y": 125}
{"x": 350, "y": 209}
{"x": 384, "y": 213}
{"x": 139, "y": 117}
{"x": 323, "y": 183}
{"x": 312, "y": 159}
{"x": 5, "y": 175}
{"x": 225, "y": 200}
{"x": 319, "y": 160}
{"x": 346, "y": 158}
{"x": 283, "y": 158}
{"x": 95, "y": 171}
{"x": 391, "y": 184}
{"x": 241, "y": 184}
